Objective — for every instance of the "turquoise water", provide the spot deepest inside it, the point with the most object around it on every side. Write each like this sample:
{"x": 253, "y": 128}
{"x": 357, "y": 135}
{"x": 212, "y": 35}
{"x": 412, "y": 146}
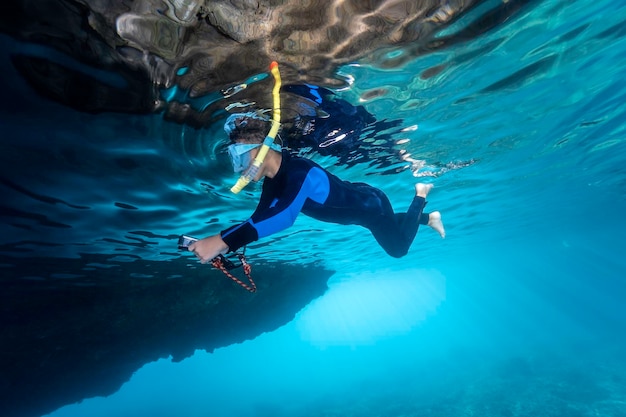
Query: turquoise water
{"x": 518, "y": 312}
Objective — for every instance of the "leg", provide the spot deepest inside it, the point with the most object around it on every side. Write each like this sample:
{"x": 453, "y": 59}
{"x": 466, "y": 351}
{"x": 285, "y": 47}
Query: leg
{"x": 395, "y": 232}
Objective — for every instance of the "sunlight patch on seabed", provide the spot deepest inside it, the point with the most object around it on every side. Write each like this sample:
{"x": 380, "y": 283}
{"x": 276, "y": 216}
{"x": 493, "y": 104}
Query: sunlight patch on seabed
{"x": 360, "y": 309}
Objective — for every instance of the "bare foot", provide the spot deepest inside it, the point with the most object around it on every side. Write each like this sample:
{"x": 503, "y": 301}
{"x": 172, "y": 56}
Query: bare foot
{"x": 422, "y": 190}
{"x": 434, "y": 221}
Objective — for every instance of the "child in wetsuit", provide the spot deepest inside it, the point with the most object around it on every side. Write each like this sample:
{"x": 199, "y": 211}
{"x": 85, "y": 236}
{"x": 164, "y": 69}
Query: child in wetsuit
{"x": 293, "y": 185}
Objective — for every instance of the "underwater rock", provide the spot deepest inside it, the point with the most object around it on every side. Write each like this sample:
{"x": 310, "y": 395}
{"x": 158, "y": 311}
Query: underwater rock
{"x": 79, "y": 328}
{"x": 208, "y": 47}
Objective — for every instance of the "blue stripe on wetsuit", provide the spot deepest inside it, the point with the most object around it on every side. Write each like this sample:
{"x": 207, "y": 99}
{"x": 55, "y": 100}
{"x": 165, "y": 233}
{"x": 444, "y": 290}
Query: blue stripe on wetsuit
{"x": 315, "y": 187}
{"x": 315, "y": 93}
{"x": 282, "y": 200}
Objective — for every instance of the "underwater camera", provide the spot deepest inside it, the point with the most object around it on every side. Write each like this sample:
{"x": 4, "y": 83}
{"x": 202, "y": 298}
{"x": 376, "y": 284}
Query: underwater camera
{"x": 185, "y": 241}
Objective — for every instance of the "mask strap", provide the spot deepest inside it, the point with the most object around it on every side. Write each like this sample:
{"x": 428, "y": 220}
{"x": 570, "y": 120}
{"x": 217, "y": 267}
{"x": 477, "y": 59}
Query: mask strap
{"x": 253, "y": 170}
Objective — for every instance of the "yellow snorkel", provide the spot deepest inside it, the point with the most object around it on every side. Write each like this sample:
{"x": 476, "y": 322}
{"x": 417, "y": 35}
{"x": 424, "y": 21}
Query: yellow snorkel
{"x": 253, "y": 169}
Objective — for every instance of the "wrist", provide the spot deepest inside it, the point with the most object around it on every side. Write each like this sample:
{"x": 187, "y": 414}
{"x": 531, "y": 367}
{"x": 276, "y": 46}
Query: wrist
{"x": 223, "y": 246}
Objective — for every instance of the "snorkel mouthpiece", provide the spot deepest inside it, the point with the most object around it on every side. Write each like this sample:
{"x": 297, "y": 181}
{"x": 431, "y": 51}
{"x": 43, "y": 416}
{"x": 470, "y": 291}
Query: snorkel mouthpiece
{"x": 253, "y": 170}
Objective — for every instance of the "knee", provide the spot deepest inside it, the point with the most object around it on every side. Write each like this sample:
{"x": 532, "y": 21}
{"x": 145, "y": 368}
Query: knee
{"x": 396, "y": 253}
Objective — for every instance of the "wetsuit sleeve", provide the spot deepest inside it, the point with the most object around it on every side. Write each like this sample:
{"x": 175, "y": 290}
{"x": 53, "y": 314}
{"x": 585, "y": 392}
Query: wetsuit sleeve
{"x": 278, "y": 208}
{"x": 243, "y": 233}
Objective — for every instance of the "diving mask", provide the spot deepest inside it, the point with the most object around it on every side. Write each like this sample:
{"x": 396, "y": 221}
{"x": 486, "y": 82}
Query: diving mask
{"x": 240, "y": 155}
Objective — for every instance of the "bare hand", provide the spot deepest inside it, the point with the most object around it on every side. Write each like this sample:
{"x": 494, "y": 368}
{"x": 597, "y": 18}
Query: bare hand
{"x": 208, "y": 248}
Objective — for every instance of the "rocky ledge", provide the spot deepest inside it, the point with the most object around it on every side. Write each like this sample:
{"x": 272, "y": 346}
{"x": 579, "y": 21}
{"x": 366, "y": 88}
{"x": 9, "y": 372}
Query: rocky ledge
{"x": 66, "y": 338}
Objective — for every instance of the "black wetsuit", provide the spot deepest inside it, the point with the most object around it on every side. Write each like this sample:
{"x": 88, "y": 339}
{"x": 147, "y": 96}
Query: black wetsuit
{"x": 300, "y": 185}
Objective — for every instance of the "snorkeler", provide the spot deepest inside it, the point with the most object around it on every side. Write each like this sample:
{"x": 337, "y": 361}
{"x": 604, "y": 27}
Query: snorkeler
{"x": 292, "y": 185}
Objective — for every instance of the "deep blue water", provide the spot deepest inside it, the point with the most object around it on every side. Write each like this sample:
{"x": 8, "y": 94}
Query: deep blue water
{"x": 518, "y": 312}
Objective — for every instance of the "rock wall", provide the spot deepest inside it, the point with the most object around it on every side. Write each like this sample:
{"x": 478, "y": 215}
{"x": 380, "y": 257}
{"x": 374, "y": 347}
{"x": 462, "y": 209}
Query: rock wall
{"x": 65, "y": 338}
